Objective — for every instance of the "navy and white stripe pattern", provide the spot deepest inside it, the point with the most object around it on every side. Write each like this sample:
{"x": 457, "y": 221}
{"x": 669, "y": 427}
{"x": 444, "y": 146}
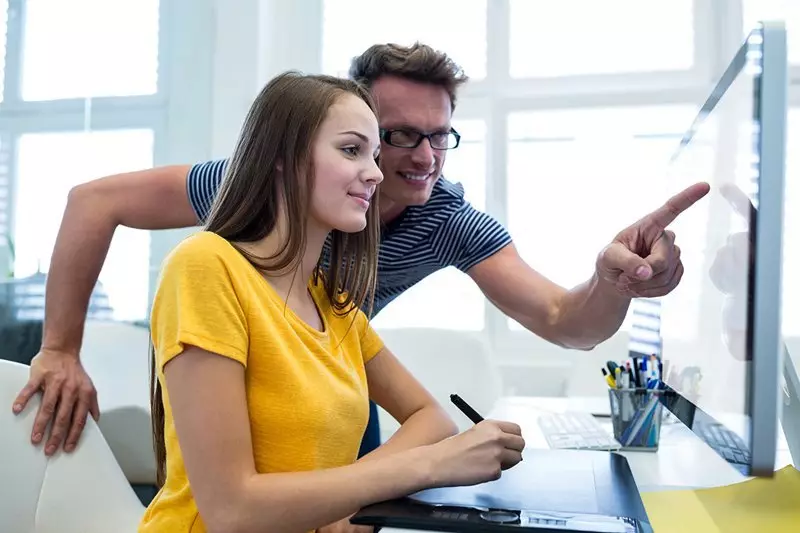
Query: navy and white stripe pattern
{"x": 445, "y": 231}
{"x": 202, "y": 185}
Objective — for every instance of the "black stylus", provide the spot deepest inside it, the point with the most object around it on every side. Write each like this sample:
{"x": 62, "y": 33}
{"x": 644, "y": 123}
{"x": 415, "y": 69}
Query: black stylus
{"x": 464, "y": 407}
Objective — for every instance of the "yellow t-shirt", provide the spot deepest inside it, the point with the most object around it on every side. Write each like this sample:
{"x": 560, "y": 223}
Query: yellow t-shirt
{"x": 306, "y": 389}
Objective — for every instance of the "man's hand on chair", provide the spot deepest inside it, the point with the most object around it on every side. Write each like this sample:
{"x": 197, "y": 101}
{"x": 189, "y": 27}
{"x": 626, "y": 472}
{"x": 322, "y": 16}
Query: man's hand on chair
{"x": 69, "y": 396}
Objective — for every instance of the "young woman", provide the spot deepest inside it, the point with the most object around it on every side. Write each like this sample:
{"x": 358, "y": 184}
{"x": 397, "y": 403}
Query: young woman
{"x": 263, "y": 360}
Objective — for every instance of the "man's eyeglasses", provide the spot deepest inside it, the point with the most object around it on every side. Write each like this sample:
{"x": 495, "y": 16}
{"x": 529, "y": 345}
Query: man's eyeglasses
{"x": 407, "y": 138}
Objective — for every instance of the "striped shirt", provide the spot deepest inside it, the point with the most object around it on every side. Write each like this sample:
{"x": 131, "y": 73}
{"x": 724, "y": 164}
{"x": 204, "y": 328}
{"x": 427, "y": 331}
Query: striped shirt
{"x": 445, "y": 231}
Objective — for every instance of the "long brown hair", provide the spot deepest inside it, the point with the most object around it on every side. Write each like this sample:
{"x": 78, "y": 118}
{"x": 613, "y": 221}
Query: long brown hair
{"x": 270, "y": 176}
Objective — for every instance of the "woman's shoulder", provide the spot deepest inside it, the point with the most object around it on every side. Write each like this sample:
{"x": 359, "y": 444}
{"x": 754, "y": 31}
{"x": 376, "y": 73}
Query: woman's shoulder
{"x": 202, "y": 249}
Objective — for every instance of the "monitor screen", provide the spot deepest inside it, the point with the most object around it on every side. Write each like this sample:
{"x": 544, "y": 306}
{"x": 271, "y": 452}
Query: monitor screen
{"x": 713, "y": 335}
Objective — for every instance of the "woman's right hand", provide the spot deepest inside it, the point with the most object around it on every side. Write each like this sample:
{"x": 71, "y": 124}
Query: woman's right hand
{"x": 477, "y": 455}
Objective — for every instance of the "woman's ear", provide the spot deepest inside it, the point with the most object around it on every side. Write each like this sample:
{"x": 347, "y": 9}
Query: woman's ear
{"x": 279, "y": 166}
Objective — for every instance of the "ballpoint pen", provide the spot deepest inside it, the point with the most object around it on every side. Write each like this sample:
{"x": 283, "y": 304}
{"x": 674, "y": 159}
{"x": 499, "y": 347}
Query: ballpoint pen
{"x": 637, "y": 380}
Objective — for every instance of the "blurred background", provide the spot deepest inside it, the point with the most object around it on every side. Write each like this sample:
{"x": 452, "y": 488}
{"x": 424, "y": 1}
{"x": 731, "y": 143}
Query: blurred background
{"x": 571, "y": 113}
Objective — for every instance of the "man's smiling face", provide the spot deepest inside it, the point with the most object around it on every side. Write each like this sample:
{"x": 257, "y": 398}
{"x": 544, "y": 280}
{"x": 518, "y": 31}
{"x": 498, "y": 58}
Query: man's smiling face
{"x": 412, "y": 107}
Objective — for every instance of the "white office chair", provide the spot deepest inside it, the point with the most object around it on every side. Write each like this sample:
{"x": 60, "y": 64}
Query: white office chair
{"x": 116, "y": 356}
{"x": 81, "y": 492}
{"x": 445, "y": 362}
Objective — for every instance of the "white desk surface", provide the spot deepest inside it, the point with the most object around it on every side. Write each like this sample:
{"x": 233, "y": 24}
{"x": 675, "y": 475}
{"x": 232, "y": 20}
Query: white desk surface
{"x": 682, "y": 460}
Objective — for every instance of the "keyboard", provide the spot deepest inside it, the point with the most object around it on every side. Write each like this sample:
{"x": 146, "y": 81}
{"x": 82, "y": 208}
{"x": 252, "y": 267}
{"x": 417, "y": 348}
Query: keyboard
{"x": 726, "y": 443}
{"x": 577, "y": 431}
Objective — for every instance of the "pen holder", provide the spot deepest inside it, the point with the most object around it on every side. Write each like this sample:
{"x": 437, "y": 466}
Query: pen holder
{"x": 636, "y": 416}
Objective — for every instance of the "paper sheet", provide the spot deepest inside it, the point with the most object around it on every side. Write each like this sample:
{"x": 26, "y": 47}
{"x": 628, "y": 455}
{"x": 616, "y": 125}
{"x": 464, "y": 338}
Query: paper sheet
{"x": 760, "y": 505}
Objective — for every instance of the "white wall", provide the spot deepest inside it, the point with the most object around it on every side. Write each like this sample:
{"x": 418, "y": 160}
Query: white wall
{"x": 226, "y": 52}
{"x": 247, "y": 37}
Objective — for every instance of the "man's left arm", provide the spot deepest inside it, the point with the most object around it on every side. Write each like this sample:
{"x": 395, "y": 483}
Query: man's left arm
{"x": 641, "y": 261}
{"x": 579, "y": 318}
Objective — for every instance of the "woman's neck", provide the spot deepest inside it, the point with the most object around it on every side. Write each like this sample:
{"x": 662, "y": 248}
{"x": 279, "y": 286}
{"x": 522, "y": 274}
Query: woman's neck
{"x": 288, "y": 282}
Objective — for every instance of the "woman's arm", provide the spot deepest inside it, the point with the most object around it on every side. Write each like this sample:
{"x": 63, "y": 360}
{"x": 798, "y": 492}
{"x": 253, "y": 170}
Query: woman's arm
{"x": 395, "y": 389}
{"x": 209, "y": 407}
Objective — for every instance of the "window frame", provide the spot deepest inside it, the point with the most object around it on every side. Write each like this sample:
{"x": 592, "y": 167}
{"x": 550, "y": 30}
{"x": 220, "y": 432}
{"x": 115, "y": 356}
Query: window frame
{"x": 497, "y": 95}
{"x": 180, "y": 132}
{"x": 19, "y": 117}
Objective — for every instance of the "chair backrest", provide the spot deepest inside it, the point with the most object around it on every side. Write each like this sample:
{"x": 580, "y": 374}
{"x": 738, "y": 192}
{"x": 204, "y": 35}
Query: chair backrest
{"x": 20, "y": 340}
{"x": 81, "y": 492}
{"x": 446, "y": 362}
{"x": 116, "y": 356}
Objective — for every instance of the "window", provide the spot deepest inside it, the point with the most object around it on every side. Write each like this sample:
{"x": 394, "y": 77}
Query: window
{"x": 448, "y": 299}
{"x": 467, "y": 163}
{"x": 3, "y": 34}
{"x": 561, "y": 162}
{"x": 786, "y": 10}
{"x": 569, "y": 141}
{"x": 456, "y": 26}
{"x": 89, "y": 48}
{"x": 5, "y": 198}
{"x": 55, "y": 162}
{"x": 579, "y": 37}
{"x": 57, "y": 54}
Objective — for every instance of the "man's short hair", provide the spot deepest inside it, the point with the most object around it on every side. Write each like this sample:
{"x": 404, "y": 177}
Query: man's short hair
{"x": 418, "y": 62}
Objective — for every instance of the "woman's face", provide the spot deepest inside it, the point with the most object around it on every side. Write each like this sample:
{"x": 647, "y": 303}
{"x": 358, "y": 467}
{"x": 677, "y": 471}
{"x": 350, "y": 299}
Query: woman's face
{"x": 346, "y": 173}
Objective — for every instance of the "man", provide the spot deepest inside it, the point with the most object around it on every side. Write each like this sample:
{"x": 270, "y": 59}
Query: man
{"x": 428, "y": 226}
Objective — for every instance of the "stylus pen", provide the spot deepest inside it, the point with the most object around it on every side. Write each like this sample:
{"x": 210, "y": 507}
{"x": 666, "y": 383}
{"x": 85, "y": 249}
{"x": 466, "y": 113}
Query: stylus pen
{"x": 464, "y": 407}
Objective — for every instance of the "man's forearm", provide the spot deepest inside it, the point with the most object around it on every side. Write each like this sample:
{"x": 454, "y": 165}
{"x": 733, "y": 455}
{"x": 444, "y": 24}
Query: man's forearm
{"x": 427, "y": 426}
{"x": 146, "y": 199}
{"x": 589, "y": 314}
{"x": 78, "y": 256}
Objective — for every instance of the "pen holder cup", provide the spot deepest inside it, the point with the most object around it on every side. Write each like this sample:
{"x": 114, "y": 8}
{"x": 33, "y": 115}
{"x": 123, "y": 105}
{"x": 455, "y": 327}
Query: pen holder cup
{"x": 636, "y": 417}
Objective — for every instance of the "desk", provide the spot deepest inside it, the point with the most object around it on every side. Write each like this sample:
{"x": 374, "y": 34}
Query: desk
{"x": 682, "y": 461}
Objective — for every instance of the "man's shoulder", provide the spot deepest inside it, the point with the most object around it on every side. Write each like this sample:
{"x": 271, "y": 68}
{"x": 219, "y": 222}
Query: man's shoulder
{"x": 202, "y": 184}
{"x": 213, "y": 169}
{"x": 446, "y": 189}
{"x": 447, "y": 197}
{"x": 445, "y": 206}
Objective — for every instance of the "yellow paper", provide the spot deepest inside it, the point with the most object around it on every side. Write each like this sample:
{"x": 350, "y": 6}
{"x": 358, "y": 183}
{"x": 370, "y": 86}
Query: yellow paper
{"x": 759, "y": 505}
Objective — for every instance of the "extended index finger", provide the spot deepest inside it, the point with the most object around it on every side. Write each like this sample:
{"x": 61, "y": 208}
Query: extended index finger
{"x": 667, "y": 213}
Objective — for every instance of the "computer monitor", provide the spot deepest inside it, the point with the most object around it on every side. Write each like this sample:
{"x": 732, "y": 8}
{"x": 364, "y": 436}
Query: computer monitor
{"x": 722, "y": 348}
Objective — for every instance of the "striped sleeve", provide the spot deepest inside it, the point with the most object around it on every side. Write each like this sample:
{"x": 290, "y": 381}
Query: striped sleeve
{"x": 202, "y": 184}
{"x": 472, "y": 236}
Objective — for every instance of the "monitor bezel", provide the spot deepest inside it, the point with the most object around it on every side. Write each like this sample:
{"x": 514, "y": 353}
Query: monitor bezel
{"x": 764, "y": 346}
